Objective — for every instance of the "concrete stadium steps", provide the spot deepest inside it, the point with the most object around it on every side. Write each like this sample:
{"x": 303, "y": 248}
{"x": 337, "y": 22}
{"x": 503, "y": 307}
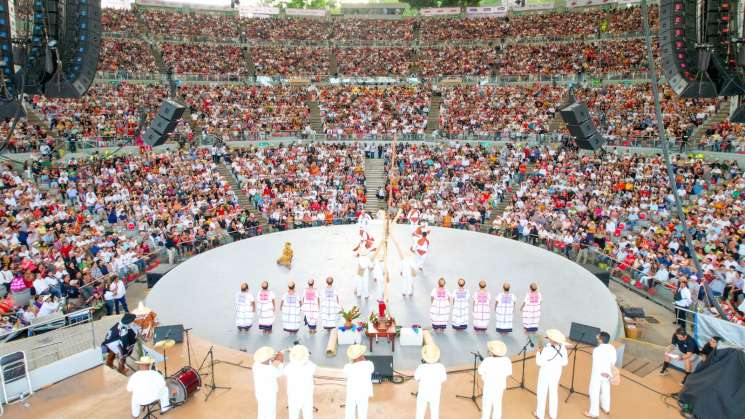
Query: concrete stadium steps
{"x": 639, "y": 366}
{"x": 243, "y": 200}
{"x": 556, "y": 124}
{"x": 315, "y": 116}
{"x": 157, "y": 56}
{"x": 433, "y": 118}
{"x": 507, "y": 198}
{"x": 375, "y": 176}
{"x": 722, "y": 114}
{"x": 249, "y": 60}
{"x": 333, "y": 65}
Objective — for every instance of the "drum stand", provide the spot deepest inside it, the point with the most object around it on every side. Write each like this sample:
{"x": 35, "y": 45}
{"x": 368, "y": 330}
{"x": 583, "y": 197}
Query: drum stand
{"x": 212, "y": 387}
{"x": 473, "y": 397}
{"x": 522, "y": 386}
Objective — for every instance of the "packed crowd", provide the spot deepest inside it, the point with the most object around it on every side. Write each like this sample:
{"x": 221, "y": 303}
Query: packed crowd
{"x": 456, "y": 60}
{"x": 204, "y": 59}
{"x": 453, "y": 186}
{"x": 370, "y": 111}
{"x": 724, "y": 136}
{"x": 302, "y": 186}
{"x": 203, "y": 26}
{"x": 74, "y": 233}
{"x": 129, "y": 55}
{"x": 290, "y": 61}
{"x": 367, "y": 61}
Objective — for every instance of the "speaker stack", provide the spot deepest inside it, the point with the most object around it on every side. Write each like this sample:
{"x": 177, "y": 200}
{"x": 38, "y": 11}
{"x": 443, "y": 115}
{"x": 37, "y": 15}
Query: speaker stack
{"x": 581, "y": 127}
{"x": 168, "y": 116}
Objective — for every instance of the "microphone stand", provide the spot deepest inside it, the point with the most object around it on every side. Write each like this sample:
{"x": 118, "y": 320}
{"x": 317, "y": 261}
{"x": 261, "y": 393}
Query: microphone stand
{"x": 474, "y": 397}
{"x": 524, "y": 351}
{"x": 574, "y": 368}
{"x": 211, "y": 386}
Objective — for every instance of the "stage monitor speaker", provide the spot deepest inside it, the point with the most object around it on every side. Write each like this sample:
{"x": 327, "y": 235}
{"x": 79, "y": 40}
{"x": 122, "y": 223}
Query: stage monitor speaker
{"x": 633, "y": 312}
{"x": 383, "y": 367}
{"x": 601, "y": 274}
{"x": 152, "y": 138}
{"x": 575, "y": 114}
{"x": 582, "y": 333}
{"x": 174, "y": 331}
{"x": 154, "y": 275}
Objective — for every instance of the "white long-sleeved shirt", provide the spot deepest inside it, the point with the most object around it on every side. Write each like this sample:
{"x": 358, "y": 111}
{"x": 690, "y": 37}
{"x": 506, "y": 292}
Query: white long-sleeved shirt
{"x": 551, "y": 361}
{"x": 146, "y": 386}
{"x": 685, "y": 298}
{"x": 430, "y": 378}
{"x": 603, "y": 359}
{"x": 494, "y": 372}
{"x": 359, "y": 379}
{"x": 265, "y": 379}
{"x": 299, "y": 380}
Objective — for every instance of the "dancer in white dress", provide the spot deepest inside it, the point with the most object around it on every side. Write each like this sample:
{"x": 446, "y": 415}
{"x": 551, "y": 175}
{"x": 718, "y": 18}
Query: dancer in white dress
{"x": 461, "y": 305}
{"x": 311, "y": 306}
{"x": 362, "y": 277}
{"x": 440, "y": 308}
{"x": 265, "y": 307}
{"x": 363, "y": 221}
{"x": 504, "y": 309}
{"x": 245, "y": 306}
{"x": 481, "y": 308}
{"x": 408, "y": 270}
{"x": 290, "y": 307}
{"x": 330, "y": 305}
{"x": 420, "y": 250}
{"x": 531, "y": 309}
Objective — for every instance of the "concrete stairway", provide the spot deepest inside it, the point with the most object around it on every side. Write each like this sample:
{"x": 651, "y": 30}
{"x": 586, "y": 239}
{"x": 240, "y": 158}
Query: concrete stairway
{"x": 556, "y": 124}
{"x": 243, "y": 200}
{"x": 315, "y": 116}
{"x": 721, "y": 115}
{"x": 249, "y": 60}
{"x": 333, "y": 66}
{"x": 433, "y": 118}
{"x": 507, "y": 198}
{"x": 374, "y": 178}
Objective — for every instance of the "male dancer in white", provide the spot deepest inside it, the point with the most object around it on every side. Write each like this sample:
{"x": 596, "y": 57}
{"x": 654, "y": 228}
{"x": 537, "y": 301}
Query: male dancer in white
{"x": 550, "y": 360}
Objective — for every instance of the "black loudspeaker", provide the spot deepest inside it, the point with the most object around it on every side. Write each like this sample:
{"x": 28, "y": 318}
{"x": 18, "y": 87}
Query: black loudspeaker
{"x": 152, "y": 138}
{"x": 582, "y": 333}
{"x": 174, "y": 331}
{"x": 576, "y": 113}
{"x": 171, "y": 110}
{"x": 633, "y": 312}
{"x": 738, "y": 116}
{"x": 163, "y": 126}
{"x": 582, "y": 130}
{"x": 79, "y": 48}
{"x": 601, "y": 274}
{"x": 154, "y": 275}
{"x": 593, "y": 142}
{"x": 383, "y": 367}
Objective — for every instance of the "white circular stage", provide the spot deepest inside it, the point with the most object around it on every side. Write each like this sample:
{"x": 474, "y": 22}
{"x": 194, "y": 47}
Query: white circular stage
{"x": 200, "y": 292}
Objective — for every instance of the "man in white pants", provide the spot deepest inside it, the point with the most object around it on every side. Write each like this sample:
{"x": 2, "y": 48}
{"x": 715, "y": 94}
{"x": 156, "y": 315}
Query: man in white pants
{"x": 550, "y": 360}
{"x": 494, "y": 371}
{"x": 430, "y": 375}
{"x": 358, "y": 373}
{"x": 299, "y": 374}
{"x": 265, "y": 381}
{"x": 603, "y": 360}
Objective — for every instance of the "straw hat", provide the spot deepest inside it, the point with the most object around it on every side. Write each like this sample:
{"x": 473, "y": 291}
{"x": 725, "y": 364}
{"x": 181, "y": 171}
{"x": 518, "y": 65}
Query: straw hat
{"x": 556, "y": 336}
{"x": 141, "y": 310}
{"x": 356, "y": 351}
{"x": 497, "y": 347}
{"x": 430, "y": 353}
{"x": 145, "y": 360}
{"x": 299, "y": 354}
{"x": 264, "y": 354}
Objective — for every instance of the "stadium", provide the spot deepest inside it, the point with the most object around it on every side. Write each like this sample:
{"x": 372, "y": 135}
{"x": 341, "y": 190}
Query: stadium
{"x": 457, "y": 209}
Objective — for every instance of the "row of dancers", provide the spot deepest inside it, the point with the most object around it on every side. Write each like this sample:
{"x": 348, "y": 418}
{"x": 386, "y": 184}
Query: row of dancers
{"x": 313, "y": 306}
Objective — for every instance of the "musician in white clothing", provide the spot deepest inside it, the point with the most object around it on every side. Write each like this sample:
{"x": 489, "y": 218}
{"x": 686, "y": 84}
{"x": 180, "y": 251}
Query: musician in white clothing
{"x": 494, "y": 371}
{"x": 603, "y": 360}
{"x": 358, "y": 373}
{"x": 265, "y": 375}
{"x": 550, "y": 360}
{"x": 299, "y": 373}
{"x": 147, "y": 386}
{"x": 430, "y": 375}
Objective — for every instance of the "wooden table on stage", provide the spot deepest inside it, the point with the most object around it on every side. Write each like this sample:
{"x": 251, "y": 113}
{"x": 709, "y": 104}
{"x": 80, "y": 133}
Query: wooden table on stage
{"x": 390, "y": 333}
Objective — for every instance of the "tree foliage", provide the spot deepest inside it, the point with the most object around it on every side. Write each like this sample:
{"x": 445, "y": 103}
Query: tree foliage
{"x": 302, "y": 4}
{"x": 418, "y": 4}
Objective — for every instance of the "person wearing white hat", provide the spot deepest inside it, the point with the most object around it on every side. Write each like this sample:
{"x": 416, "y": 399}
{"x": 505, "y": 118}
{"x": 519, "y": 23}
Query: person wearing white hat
{"x": 430, "y": 375}
{"x": 494, "y": 370}
{"x": 147, "y": 386}
{"x": 358, "y": 373}
{"x": 550, "y": 360}
{"x": 265, "y": 375}
{"x": 299, "y": 372}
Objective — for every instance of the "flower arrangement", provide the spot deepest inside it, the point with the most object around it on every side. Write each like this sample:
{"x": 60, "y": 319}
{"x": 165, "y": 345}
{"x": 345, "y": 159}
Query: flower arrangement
{"x": 349, "y": 316}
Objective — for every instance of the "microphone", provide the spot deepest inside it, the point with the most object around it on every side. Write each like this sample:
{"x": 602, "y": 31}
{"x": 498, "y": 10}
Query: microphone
{"x": 478, "y": 354}
{"x": 530, "y": 342}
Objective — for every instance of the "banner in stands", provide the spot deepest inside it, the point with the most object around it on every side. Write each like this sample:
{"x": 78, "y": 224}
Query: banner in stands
{"x": 257, "y": 11}
{"x": 440, "y": 11}
{"x": 110, "y": 4}
{"x": 707, "y": 326}
{"x": 628, "y": 2}
{"x": 531, "y": 5}
{"x": 585, "y": 3}
{"x": 498, "y": 11}
{"x": 188, "y": 4}
{"x": 306, "y": 12}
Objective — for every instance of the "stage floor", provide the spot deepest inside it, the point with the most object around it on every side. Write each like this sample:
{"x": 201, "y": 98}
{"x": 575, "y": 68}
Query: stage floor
{"x": 101, "y": 393}
{"x": 200, "y": 292}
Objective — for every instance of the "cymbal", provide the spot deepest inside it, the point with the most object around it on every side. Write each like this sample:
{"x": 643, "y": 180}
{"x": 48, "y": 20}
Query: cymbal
{"x": 165, "y": 343}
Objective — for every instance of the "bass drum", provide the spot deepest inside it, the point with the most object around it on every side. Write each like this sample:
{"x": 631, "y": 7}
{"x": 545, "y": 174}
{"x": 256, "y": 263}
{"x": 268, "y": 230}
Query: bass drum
{"x": 183, "y": 384}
